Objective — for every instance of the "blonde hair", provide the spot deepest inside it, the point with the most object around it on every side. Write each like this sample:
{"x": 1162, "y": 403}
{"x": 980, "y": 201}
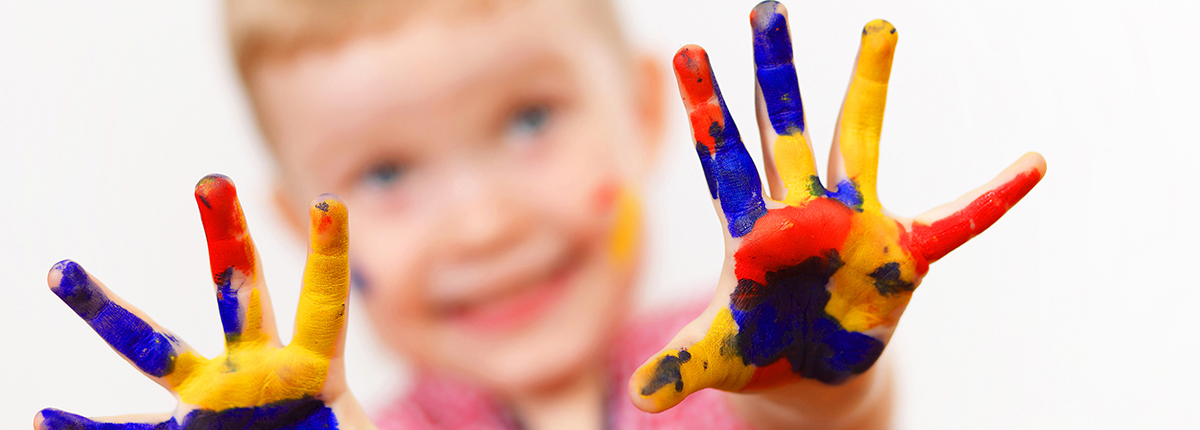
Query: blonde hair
{"x": 259, "y": 29}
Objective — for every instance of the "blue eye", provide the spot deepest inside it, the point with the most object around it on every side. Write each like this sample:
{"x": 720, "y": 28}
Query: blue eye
{"x": 530, "y": 121}
{"x": 383, "y": 175}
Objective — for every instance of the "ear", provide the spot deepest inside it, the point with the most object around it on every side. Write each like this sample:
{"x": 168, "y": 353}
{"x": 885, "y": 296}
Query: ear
{"x": 286, "y": 207}
{"x": 648, "y": 81}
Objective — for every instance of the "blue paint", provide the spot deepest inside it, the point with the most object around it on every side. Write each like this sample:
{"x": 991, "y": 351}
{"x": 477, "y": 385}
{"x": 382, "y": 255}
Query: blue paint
{"x": 889, "y": 281}
{"x": 228, "y": 306}
{"x": 54, "y": 419}
{"x": 733, "y": 172}
{"x": 786, "y": 319}
{"x": 847, "y": 193}
{"x": 358, "y": 280}
{"x": 301, "y": 414}
{"x": 775, "y": 70}
{"x": 149, "y": 350}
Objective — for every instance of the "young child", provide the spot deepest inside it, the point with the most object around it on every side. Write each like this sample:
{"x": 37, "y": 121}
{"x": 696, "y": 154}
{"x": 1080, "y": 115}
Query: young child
{"x": 491, "y": 153}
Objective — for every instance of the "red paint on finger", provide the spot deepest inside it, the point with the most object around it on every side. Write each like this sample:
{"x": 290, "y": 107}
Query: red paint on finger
{"x": 229, "y": 246}
{"x": 936, "y": 240}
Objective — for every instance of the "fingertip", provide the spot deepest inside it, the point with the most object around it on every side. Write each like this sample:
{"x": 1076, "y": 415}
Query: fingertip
{"x": 38, "y": 419}
{"x": 878, "y": 47}
{"x": 880, "y": 29}
{"x": 1036, "y": 161}
{"x": 216, "y": 194}
{"x": 694, "y": 74}
{"x": 328, "y": 228}
{"x": 65, "y": 276}
{"x": 772, "y": 40}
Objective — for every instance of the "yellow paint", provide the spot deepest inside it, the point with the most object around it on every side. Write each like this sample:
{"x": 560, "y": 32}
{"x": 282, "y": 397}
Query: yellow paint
{"x": 252, "y": 371}
{"x": 855, "y": 302}
{"x": 862, "y": 114}
{"x": 626, "y": 228}
{"x": 322, "y": 310}
{"x": 796, "y": 167}
{"x": 715, "y": 363}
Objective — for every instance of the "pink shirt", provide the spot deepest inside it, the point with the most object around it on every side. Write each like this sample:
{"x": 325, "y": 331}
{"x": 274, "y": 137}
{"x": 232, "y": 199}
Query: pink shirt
{"x": 441, "y": 403}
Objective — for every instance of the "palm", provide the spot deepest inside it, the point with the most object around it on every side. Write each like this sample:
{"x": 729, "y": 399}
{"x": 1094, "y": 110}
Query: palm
{"x": 256, "y": 382}
{"x": 816, "y": 278}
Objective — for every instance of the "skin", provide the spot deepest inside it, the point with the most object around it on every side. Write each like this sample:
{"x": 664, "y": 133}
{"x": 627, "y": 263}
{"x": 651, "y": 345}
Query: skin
{"x": 491, "y": 244}
{"x": 815, "y": 278}
{"x": 245, "y": 379}
{"x": 477, "y": 257}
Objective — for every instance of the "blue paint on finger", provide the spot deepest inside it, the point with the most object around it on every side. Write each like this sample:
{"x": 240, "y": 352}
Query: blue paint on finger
{"x": 774, "y": 68}
{"x": 228, "y": 305}
{"x": 149, "y": 350}
{"x": 731, "y": 174}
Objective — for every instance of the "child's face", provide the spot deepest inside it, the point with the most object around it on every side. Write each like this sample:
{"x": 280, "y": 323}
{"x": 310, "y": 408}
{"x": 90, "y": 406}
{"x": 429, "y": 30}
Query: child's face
{"x": 490, "y": 164}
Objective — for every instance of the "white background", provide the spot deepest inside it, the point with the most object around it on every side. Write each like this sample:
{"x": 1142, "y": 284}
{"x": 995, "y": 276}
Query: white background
{"x": 1077, "y": 310}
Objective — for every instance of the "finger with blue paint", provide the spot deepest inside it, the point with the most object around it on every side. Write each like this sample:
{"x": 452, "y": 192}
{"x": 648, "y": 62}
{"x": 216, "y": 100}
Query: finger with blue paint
{"x": 127, "y": 330}
{"x": 256, "y": 382}
{"x": 732, "y": 177}
{"x": 787, "y": 155}
{"x": 233, "y": 260}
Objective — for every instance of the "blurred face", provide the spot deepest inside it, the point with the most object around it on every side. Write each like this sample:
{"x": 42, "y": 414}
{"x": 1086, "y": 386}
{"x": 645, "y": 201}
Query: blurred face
{"x": 490, "y": 166}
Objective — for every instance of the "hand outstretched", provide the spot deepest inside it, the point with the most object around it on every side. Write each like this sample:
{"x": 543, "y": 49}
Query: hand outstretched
{"x": 256, "y": 382}
{"x": 815, "y": 280}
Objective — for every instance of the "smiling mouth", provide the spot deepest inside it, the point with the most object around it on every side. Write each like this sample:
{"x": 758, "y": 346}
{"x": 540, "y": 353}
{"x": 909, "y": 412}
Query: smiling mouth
{"x": 515, "y": 307}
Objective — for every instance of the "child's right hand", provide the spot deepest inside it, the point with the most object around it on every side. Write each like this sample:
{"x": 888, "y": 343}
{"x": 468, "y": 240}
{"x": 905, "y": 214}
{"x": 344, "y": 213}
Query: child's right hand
{"x": 256, "y": 382}
{"x": 815, "y": 280}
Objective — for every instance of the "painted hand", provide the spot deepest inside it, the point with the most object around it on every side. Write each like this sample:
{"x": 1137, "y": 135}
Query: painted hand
{"x": 815, "y": 278}
{"x": 256, "y": 382}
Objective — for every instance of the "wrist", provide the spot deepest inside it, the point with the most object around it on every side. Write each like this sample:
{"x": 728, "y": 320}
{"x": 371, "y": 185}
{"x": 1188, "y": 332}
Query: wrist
{"x": 863, "y": 402}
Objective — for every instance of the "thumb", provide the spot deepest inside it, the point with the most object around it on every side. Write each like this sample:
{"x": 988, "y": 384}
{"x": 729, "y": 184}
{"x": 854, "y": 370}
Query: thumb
{"x": 703, "y": 355}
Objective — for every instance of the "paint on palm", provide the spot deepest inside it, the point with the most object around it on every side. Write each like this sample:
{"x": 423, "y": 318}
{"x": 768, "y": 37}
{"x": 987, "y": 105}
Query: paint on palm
{"x": 822, "y": 276}
{"x": 242, "y": 387}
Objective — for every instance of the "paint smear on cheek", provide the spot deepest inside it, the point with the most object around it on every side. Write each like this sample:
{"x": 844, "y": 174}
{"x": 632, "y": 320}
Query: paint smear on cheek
{"x": 625, "y": 231}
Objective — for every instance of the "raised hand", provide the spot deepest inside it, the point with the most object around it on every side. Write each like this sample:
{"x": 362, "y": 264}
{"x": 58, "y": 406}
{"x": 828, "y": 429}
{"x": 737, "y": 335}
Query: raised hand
{"x": 815, "y": 278}
{"x": 256, "y": 382}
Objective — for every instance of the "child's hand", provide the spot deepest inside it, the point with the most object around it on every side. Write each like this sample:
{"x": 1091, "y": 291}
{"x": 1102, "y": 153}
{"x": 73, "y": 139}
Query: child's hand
{"x": 256, "y": 382}
{"x": 815, "y": 279}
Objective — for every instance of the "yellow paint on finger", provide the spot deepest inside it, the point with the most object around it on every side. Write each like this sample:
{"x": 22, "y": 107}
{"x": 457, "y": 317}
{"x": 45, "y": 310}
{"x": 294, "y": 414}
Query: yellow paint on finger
{"x": 251, "y": 372}
{"x": 322, "y": 310}
{"x": 711, "y": 363}
{"x": 796, "y": 167}
{"x": 862, "y": 114}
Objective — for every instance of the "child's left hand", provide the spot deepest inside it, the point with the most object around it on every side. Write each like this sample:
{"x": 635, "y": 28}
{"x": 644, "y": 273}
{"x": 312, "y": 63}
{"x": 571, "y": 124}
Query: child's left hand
{"x": 815, "y": 279}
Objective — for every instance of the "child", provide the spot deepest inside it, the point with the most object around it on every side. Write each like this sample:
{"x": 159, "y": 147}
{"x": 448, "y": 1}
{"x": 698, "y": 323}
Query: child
{"x": 491, "y": 154}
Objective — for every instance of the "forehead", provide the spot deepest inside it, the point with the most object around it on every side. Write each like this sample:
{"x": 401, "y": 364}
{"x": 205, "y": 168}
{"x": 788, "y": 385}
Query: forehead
{"x": 435, "y": 55}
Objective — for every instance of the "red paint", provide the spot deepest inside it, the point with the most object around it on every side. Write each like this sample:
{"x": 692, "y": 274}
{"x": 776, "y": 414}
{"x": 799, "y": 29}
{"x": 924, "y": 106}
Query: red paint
{"x": 787, "y": 236}
{"x": 906, "y": 243}
{"x": 936, "y": 240}
{"x": 772, "y": 375}
{"x": 224, "y": 226}
{"x": 696, "y": 82}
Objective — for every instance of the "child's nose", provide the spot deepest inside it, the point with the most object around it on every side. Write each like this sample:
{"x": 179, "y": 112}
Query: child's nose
{"x": 481, "y": 218}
